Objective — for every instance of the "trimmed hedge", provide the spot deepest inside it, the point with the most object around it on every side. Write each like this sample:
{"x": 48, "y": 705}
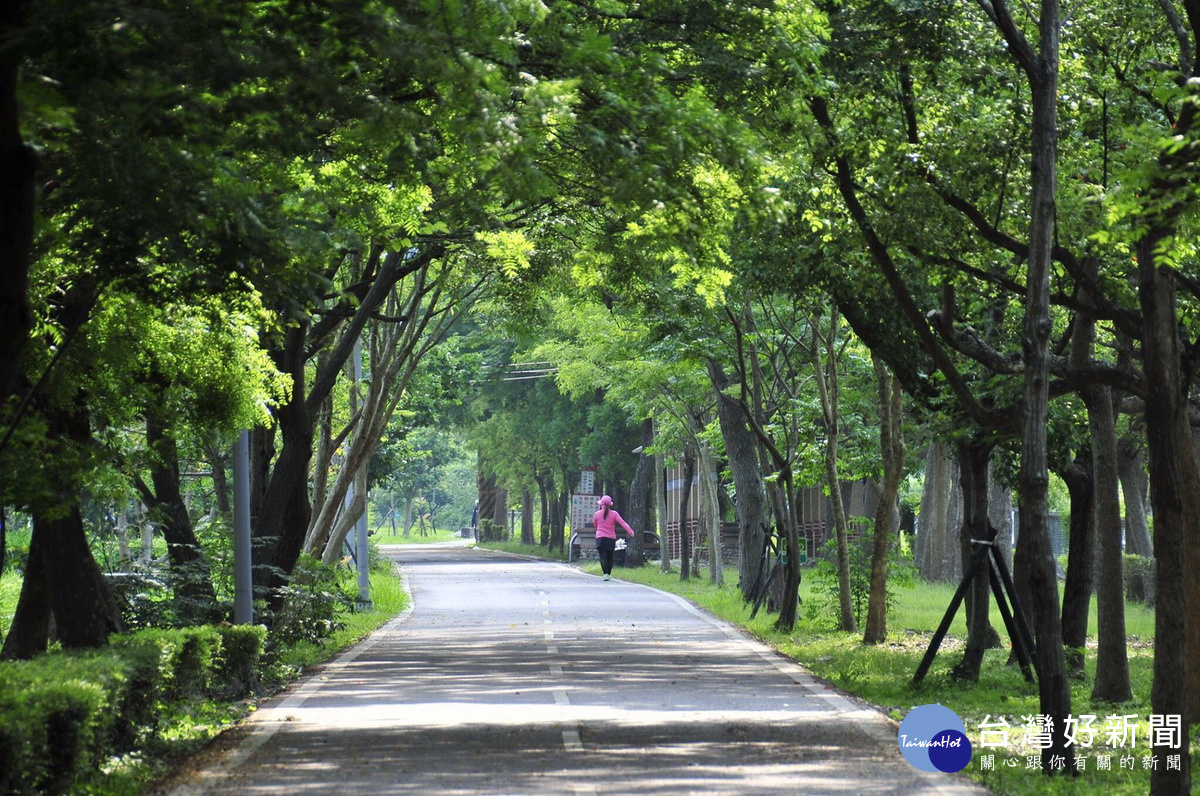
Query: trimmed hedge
{"x": 64, "y": 713}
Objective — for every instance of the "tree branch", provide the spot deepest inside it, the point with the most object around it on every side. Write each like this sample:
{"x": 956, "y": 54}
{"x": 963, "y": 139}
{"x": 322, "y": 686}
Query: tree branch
{"x": 883, "y": 258}
{"x": 997, "y": 11}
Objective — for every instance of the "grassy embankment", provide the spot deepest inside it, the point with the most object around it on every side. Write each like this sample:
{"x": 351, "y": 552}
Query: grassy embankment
{"x": 383, "y": 535}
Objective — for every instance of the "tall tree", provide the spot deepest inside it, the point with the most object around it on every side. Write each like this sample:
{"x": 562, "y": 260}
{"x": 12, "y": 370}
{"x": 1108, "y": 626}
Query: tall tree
{"x": 751, "y": 497}
{"x": 893, "y": 453}
{"x": 826, "y": 356}
{"x": 1040, "y": 66}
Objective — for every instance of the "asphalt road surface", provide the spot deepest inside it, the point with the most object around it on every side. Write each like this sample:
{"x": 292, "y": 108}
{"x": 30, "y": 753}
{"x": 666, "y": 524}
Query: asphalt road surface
{"x": 513, "y": 676}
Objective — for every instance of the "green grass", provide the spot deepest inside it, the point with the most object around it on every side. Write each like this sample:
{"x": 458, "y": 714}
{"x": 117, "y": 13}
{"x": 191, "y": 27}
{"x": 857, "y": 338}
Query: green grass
{"x": 415, "y": 537}
{"x": 10, "y": 590}
{"x": 882, "y": 675}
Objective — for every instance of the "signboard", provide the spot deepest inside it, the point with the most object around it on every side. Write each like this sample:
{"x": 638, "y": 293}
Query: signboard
{"x": 587, "y": 482}
{"x": 583, "y": 507}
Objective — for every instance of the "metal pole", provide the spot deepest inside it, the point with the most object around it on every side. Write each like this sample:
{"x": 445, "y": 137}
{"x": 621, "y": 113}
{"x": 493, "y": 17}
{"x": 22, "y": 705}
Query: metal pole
{"x": 360, "y": 478}
{"x": 364, "y": 569}
{"x": 243, "y": 588}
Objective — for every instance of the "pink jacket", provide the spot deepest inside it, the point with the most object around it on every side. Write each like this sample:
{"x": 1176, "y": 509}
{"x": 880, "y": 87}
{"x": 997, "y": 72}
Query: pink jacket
{"x": 606, "y": 527}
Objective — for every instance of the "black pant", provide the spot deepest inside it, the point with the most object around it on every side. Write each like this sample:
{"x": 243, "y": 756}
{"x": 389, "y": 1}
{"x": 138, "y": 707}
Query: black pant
{"x": 605, "y": 548}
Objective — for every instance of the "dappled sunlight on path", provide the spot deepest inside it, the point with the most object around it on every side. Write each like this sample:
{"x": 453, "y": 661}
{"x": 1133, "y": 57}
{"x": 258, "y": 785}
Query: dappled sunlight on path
{"x": 516, "y": 676}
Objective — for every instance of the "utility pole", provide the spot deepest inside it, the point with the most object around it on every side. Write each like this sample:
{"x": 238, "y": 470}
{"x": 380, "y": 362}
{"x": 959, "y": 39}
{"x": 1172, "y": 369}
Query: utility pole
{"x": 360, "y": 483}
{"x": 243, "y": 587}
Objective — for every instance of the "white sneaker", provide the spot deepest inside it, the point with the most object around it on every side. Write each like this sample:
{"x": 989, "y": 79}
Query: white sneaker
{"x": 608, "y": 577}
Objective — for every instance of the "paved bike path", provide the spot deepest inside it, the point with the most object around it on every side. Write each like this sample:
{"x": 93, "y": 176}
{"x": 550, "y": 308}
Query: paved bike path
{"x": 512, "y": 676}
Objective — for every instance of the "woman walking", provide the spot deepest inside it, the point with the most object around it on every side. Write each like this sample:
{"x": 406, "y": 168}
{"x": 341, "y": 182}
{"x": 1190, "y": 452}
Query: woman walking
{"x": 606, "y": 521}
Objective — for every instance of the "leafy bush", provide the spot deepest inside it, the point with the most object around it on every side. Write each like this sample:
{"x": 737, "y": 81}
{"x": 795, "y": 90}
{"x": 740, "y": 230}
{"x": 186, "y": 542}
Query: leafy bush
{"x": 313, "y": 602}
{"x": 492, "y": 531}
{"x": 824, "y": 604}
{"x": 143, "y": 599}
{"x": 148, "y": 656}
{"x": 164, "y": 595}
{"x": 104, "y": 721}
{"x": 238, "y": 660}
{"x": 195, "y": 661}
{"x": 64, "y": 713}
{"x": 56, "y": 719}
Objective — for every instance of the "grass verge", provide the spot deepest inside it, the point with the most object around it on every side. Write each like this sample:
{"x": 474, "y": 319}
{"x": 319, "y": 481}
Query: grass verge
{"x": 415, "y": 537}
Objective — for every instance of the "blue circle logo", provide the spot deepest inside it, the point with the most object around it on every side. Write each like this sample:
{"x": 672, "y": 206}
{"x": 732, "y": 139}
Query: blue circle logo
{"x": 933, "y": 738}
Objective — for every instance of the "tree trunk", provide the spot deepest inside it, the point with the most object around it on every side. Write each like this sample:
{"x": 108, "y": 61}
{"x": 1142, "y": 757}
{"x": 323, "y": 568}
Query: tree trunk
{"x": 526, "y": 516}
{"x": 1080, "y": 478}
{"x": 660, "y": 513}
{"x": 1053, "y": 685}
{"x": 323, "y": 458}
{"x": 751, "y": 502}
{"x": 193, "y": 587}
{"x": 974, "y": 456}
{"x": 559, "y": 516}
{"x": 711, "y": 512}
{"x": 935, "y": 499}
{"x": 84, "y": 612}
{"x": 337, "y": 507}
{"x": 1174, "y": 493}
{"x": 685, "y": 491}
{"x": 543, "y": 484}
{"x": 500, "y": 512}
{"x": 939, "y": 555}
{"x": 1131, "y": 467}
{"x": 221, "y": 492}
{"x": 121, "y": 529}
{"x": 29, "y": 634}
{"x": 1077, "y": 591}
{"x": 887, "y": 515}
{"x": 786, "y": 594}
{"x": 826, "y": 373}
{"x": 1132, "y": 474}
{"x": 346, "y": 521}
{"x": 286, "y": 510}
{"x": 488, "y": 495}
{"x": 1000, "y": 511}
{"x": 640, "y": 497}
{"x": 1112, "y": 660}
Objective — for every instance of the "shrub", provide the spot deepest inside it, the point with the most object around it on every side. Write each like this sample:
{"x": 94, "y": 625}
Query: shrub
{"x": 238, "y": 660}
{"x": 64, "y": 713}
{"x": 313, "y": 602}
{"x": 19, "y": 747}
{"x": 492, "y": 531}
{"x": 54, "y": 722}
{"x": 824, "y": 603}
{"x": 148, "y": 657}
{"x": 70, "y": 712}
{"x": 144, "y": 599}
{"x": 195, "y": 661}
